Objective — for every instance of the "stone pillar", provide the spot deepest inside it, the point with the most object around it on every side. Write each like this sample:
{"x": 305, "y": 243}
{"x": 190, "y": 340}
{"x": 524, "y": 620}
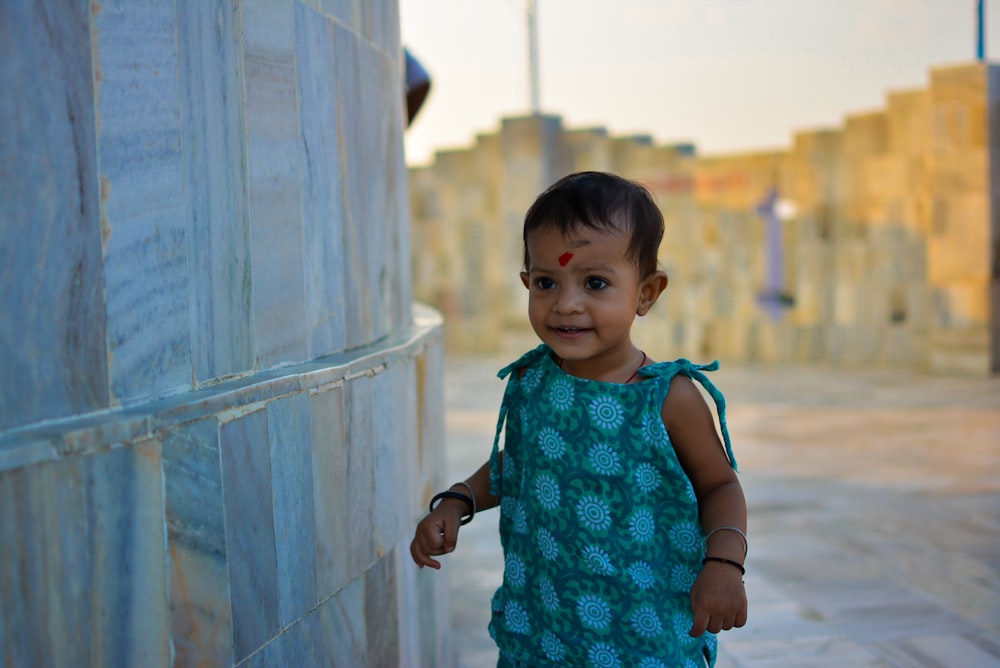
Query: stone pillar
{"x": 960, "y": 244}
{"x": 219, "y": 413}
{"x": 994, "y": 135}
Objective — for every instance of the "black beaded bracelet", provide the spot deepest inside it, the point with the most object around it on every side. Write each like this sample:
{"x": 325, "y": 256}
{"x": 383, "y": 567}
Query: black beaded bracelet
{"x": 448, "y": 494}
{"x": 743, "y": 571}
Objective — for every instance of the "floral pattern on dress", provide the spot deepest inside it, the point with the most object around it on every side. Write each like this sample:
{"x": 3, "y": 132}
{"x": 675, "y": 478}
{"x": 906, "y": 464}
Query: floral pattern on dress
{"x": 531, "y": 379}
{"x": 646, "y": 622}
{"x": 594, "y": 611}
{"x": 520, "y": 518}
{"x": 652, "y": 429}
{"x": 598, "y": 560}
{"x": 547, "y": 544}
{"x": 508, "y": 506}
{"x": 650, "y": 662}
{"x": 599, "y": 521}
{"x": 561, "y": 395}
{"x": 642, "y": 524}
{"x": 606, "y": 413}
{"x": 682, "y": 578}
{"x": 603, "y": 655}
{"x": 682, "y": 622}
{"x": 686, "y": 537}
{"x": 594, "y": 513}
{"x": 547, "y": 491}
{"x": 647, "y": 478}
{"x": 517, "y": 618}
{"x": 514, "y": 570}
{"x": 553, "y": 648}
{"x": 642, "y": 575}
{"x": 550, "y": 599}
{"x": 552, "y": 443}
{"x": 604, "y": 459}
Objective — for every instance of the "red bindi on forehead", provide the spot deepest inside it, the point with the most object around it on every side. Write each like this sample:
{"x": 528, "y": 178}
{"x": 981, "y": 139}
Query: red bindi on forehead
{"x": 565, "y": 258}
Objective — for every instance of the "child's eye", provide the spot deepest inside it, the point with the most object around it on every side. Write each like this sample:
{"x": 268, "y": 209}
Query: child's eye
{"x": 595, "y": 283}
{"x": 545, "y": 283}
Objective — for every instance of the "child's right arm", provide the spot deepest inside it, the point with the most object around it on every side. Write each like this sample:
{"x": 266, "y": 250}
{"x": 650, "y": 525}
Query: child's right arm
{"x": 437, "y": 533}
{"x": 718, "y": 596}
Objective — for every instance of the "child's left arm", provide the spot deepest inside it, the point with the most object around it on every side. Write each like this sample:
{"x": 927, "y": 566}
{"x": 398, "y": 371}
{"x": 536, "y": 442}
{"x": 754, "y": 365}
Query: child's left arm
{"x": 718, "y": 598}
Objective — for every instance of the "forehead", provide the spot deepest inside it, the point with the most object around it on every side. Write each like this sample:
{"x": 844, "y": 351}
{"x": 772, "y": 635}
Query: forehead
{"x": 546, "y": 245}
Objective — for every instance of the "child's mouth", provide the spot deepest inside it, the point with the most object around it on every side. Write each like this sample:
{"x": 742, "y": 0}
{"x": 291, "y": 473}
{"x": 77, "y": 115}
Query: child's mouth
{"x": 571, "y": 332}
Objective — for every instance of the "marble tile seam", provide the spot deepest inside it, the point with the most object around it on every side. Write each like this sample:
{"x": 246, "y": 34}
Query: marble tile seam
{"x": 389, "y": 554}
{"x": 242, "y": 410}
{"x": 360, "y": 34}
{"x": 368, "y": 372}
{"x": 101, "y": 430}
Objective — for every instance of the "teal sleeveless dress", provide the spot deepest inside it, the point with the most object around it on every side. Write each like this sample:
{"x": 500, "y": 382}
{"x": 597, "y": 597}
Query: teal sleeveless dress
{"x": 598, "y": 521}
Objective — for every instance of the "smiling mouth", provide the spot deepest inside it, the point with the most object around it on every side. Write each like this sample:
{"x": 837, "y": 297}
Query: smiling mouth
{"x": 571, "y": 331}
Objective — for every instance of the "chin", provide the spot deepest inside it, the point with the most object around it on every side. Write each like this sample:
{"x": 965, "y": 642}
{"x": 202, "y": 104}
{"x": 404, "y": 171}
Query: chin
{"x": 568, "y": 351}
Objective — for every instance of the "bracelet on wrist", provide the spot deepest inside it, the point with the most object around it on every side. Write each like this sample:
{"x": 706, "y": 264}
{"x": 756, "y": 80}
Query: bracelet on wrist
{"x": 472, "y": 495}
{"x": 456, "y": 495}
{"x": 735, "y": 530}
{"x": 723, "y": 560}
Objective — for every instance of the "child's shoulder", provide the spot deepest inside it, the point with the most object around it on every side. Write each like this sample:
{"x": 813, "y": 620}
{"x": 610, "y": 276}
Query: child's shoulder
{"x": 678, "y": 367}
{"x": 680, "y": 380}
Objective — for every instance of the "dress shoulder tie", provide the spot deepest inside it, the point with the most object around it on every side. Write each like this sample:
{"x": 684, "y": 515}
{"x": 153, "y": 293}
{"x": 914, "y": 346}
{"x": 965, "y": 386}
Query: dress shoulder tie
{"x": 526, "y": 360}
{"x": 694, "y": 371}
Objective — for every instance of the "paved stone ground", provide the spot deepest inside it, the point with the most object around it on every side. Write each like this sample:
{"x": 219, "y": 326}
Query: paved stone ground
{"x": 874, "y": 516}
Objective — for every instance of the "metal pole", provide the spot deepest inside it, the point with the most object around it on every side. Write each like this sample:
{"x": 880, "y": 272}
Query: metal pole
{"x": 533, "y": 56}
{"x": 980, "y": 30}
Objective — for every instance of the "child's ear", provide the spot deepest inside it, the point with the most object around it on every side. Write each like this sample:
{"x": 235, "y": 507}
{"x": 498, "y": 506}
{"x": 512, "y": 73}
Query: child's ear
{"x": 524, "y": 279}
{"x": 650, "y": 290}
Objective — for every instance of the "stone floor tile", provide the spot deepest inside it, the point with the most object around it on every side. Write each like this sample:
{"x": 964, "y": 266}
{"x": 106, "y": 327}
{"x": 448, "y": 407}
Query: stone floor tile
{"x": 796, "y": 652}
{"x": 903, "y": 620}
{"x": 940, "y": 651}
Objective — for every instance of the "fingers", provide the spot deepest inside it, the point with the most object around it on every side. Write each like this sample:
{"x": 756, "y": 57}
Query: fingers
{"x": 421, "y": 557}
{"x": 716, "y": 615}
{"x": 427, "y": 541}
{"x": 435, "y": 535}
{"x": 714, "y": 624}
{"x": 718, "y": 601}
{"x": 703, "y": 621}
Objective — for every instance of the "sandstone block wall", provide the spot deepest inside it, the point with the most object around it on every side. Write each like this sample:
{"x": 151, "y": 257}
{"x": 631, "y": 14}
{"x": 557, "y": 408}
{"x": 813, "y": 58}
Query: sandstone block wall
{"x": 889, "y": 255}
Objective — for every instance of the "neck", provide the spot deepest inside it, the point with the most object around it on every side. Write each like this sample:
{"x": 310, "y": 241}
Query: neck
{"x": 622, "y": 369}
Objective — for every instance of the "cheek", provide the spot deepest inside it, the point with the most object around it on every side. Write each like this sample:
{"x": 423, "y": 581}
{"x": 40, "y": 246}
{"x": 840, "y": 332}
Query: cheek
{"x": 621, "y": 312}
{"x": 536, "y": 314}
{"x": 534, "y": 304}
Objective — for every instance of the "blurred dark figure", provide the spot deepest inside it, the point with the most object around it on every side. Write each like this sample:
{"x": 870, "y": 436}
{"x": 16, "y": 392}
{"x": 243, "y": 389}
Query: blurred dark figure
{"x": 418, "y": 84}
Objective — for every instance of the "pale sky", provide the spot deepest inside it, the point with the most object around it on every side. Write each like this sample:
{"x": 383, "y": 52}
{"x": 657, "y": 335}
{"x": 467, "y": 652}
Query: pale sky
{"x": 727, "y": 75}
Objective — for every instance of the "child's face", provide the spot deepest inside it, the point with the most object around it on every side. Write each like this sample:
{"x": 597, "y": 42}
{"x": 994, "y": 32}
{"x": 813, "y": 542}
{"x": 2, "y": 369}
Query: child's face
{"x": 584, "y": 294}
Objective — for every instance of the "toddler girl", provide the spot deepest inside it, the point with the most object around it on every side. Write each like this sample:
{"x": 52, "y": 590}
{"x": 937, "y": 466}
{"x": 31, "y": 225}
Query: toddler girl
{"x": 621, "y": 517}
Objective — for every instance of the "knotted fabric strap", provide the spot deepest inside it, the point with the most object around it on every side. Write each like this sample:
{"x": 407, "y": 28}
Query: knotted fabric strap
{"x": 694, "y": 371}
{"x": 525, "y": 360}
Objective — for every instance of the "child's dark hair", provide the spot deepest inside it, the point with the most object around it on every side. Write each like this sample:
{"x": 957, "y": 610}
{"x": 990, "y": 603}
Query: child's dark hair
{"x": 604, "y": 202}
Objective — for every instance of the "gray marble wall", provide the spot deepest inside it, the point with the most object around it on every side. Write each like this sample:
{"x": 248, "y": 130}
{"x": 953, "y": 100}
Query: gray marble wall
{"x": 219, "y": 412}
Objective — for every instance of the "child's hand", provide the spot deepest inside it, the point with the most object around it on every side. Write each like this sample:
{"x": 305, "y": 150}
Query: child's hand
{"x": 718, "y": 599}
{"x": 437, "y": 533}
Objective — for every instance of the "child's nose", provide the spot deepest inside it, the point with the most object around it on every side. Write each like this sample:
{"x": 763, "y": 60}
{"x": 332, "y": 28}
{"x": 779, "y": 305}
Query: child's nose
{"x": 569, "y": 301}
